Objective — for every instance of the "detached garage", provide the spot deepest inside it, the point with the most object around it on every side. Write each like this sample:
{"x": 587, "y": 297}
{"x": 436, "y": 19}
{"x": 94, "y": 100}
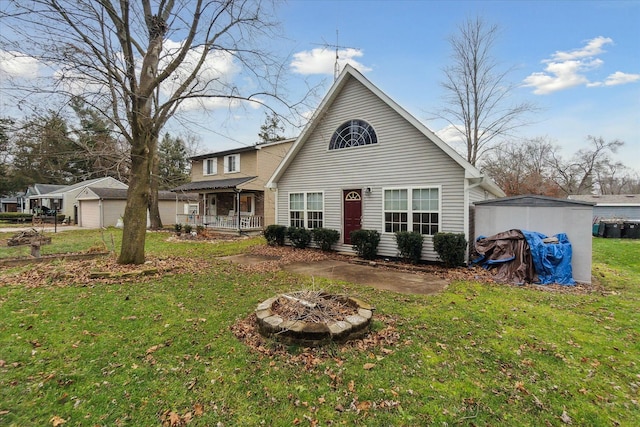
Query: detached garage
{"x": 546, "y": 215}
{"x": 103, "y": 207}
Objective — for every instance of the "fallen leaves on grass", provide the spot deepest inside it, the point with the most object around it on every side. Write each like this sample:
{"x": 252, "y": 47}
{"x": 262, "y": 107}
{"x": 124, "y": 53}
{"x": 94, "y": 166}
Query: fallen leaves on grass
{"x": 381, "y": 340}
{"x": 82, "y": 272}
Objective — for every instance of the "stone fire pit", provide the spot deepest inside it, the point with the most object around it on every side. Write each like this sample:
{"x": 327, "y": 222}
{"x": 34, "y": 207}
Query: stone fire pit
{"x": 313, "y": 317}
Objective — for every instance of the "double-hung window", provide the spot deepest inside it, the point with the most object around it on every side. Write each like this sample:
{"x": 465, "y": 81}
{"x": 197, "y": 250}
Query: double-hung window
{"x": 232, "y": 163}
{"x": 306, "y": 210}
{"x": 210, "y": 166}
{"x": 412, "y": 209}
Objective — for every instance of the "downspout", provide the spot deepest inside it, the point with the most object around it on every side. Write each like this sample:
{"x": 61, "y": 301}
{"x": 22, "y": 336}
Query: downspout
{"x": 469, "y": 184}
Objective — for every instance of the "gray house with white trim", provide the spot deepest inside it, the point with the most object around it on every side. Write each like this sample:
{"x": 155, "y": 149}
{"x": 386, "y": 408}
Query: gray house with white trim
{"x": 613, "y": 206}
{"x": 363, "y": 161}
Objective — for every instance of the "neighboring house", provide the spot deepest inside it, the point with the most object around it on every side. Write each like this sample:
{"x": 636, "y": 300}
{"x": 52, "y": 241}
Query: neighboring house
{"x": 620, "y": 207}
{"x": 12, "y": 203}
{"x": 365, "y": 162}
{"x": 63, "y": 199}
{"x": 103, "y": 207}
{"x": 34, "y": 196}
{"x": 231, "y": 187}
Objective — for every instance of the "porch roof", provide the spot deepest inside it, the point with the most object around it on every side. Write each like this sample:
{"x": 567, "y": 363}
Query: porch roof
{"x": 214, "y": 184}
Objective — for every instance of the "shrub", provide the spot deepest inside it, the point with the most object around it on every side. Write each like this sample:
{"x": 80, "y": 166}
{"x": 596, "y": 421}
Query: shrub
{"x": 326, "y": 237}
{"x": 300, "y": 237}
{"x": 450, "y": 248}
{"x": 365, "y": 243}
{"x": 200, "y": 229}
{"x": 410, "y": 245}
{"x": 178, "y": 228}
{"x": 15, "y": 216}
{"x": 275, "y": 234}
{"x": 187, "y": 228}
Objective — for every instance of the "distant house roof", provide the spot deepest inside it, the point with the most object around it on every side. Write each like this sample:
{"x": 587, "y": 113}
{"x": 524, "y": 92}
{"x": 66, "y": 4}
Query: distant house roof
{"x": 532, "y": 200}
{"x": 121, "y": 194}
{"x": 43, "y": 189}
{"x": 239, "y": 150}
{"x": 213, "y": 184}
{"x": 609, "y": 200}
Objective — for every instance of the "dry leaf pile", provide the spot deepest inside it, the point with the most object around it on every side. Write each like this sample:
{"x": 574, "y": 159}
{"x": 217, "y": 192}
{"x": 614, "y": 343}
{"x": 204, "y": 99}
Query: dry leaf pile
{"x": 98, "y": 271}
{"x": 312, "y": 306}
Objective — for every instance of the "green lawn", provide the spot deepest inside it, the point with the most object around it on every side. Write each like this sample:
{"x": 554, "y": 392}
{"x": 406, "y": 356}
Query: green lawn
{"x": 162, "y": 351}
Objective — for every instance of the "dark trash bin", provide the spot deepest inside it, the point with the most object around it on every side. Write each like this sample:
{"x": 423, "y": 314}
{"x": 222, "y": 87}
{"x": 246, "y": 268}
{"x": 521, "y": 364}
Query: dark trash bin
{"x": 613, "y": 230}
{"x": 594, "y": 229}
{"x": 631, "y": 230}
{"x": 601, "y": 228}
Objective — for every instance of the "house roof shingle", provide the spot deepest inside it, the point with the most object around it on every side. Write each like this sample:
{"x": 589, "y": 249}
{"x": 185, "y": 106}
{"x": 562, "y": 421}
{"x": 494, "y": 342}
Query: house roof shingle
{"x": 609, "y": 199}
{"x": 121, "y": 194}
{"x": 214, "y": 184}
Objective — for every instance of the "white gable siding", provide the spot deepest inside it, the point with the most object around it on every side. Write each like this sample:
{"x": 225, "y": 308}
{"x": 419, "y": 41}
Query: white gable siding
{"x": 403, "y": 157}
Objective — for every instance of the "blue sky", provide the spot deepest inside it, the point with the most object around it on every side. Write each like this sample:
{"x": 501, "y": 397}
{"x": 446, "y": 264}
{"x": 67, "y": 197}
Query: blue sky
{"x": 579, "y": 61}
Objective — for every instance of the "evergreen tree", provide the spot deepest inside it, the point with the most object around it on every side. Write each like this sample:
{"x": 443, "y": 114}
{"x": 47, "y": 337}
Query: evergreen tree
{"x": 271, "y": 130}
{"x": 173, "y": 162}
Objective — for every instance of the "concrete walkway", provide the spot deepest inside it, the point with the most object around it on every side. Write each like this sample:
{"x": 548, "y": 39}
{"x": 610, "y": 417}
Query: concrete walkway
{"x": 390, "y": 279}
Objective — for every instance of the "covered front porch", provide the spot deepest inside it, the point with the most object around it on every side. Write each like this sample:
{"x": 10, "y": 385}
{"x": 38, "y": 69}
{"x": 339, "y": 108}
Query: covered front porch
{"x": 223, "y": 205}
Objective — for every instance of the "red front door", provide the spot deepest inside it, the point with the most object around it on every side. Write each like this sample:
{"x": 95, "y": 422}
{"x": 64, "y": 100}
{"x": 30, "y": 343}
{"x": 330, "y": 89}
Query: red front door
{"x": 352, "y": 212}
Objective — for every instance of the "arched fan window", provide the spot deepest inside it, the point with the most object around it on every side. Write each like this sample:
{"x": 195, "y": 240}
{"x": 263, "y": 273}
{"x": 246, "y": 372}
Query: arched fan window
{"x": 353, "y": 133}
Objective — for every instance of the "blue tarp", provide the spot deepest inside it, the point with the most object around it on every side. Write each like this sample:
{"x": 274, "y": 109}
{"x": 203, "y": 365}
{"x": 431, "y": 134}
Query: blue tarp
{"x": 541, "y": 260}
{"x": 552, "y": 261}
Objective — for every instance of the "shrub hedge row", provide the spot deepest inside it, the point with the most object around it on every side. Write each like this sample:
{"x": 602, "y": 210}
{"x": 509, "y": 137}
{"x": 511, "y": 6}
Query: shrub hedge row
{"x": 450, "y": 247}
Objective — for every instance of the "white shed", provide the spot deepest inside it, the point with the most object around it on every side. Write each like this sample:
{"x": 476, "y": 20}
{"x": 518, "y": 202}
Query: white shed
{"x": 546, "y": 215}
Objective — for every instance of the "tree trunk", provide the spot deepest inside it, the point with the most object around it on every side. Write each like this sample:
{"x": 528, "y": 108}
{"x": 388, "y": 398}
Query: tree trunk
{"x": 135, "y": 212}
{"x": 154, "y": 209}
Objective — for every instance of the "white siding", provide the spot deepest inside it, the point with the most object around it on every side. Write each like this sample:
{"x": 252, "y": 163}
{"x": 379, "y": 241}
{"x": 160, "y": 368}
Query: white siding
{"x": 167, "y": 210}
{"x": 403, "y": 156}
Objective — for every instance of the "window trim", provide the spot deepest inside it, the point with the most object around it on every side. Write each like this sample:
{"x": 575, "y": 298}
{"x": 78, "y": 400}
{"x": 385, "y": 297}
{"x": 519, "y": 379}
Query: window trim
{"x": 237, "y": 163}
{"x": 305, "y": 209}
{"x": 349, "y": 123}
{"x": 205, "y": 171}
{"x": 410, "y": 211}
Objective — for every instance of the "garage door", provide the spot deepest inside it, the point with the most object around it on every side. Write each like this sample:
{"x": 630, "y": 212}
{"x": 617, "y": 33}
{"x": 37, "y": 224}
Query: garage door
{"x": 89, "y": 213}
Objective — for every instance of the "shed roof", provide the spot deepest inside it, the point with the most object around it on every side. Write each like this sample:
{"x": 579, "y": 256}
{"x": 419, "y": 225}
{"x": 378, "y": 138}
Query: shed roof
{"x": 532, "y": 200}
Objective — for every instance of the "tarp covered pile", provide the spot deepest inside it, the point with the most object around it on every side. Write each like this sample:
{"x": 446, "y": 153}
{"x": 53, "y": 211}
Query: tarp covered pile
{"x": 521, "y": 256}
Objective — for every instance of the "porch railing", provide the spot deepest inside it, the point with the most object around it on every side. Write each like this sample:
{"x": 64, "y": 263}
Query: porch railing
{"x": 223, "y": 222}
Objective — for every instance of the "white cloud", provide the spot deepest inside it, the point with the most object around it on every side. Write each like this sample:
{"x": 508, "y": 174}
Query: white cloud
{"x": 322, "y": 61}
{"x": 569, "y": 69}
{"x": 593, "y": 48}
{"x": 620, "y": 78}
{"x": 216, "y": 76}
{"x": 16, "y": 64}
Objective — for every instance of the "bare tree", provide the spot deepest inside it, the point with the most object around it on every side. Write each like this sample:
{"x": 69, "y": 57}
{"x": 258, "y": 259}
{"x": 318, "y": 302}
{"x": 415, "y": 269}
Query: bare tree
{"x": 140, "y": 62}
{"x": 578, "y": 175}
{"x": 478, "y": 92}
{"x": 523, "y": 167}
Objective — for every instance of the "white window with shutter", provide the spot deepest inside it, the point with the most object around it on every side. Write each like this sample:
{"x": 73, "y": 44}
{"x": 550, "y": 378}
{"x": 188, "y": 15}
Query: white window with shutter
{"x": 210, "y": 166}
{"x": 232, "y": 163}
